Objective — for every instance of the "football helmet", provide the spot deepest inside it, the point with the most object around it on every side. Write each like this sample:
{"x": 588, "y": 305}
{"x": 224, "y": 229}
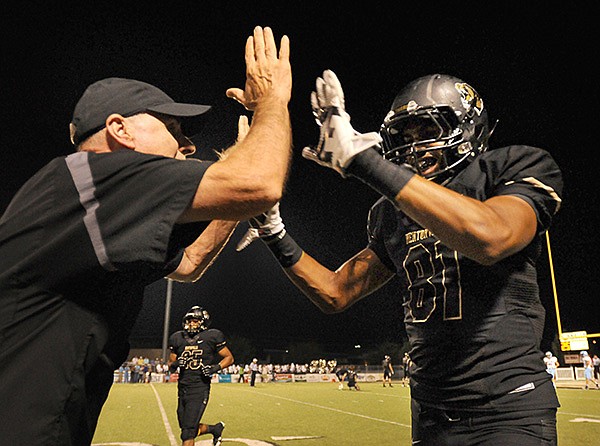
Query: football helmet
{"x": 436, "y": 119}
{"x": 549, "y": 354}
{"x": 196, "y": 319}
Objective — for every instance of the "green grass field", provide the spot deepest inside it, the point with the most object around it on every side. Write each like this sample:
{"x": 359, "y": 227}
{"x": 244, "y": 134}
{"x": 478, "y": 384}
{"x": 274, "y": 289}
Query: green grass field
{"x": 313, "y": 413}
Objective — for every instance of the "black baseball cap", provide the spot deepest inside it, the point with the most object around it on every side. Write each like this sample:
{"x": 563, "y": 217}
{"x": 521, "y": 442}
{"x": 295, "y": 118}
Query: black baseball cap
{"x": 126, "y": 97}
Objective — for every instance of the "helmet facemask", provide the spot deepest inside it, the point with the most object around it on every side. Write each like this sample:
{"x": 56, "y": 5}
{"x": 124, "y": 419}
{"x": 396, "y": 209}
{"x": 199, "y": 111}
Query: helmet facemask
{"x": 196, "y": 320}
{"x": 422, "y": 132}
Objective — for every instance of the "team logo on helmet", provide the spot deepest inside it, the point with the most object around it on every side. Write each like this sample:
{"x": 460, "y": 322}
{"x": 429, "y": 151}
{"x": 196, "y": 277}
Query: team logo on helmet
{"x": 471, "y": 101}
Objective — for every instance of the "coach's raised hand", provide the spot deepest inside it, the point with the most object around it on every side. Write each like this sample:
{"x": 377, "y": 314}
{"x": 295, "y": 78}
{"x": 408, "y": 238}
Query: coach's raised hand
{"x": 268, "y": 74}
{"x": 251, "y": 177}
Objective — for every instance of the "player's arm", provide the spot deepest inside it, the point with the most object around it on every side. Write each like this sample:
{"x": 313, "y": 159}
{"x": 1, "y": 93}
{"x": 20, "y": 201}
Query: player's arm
{"x": 201, "y": 254}
{"x": 486, "y": 232}
{"x": 334, "y": 291}
{"x": 173, "y": 362}
{"x": 251, "y": 179}
{"x": 227, "y": 356}
{"x": 226, "y": 361}
{"x": 331, "y": 291}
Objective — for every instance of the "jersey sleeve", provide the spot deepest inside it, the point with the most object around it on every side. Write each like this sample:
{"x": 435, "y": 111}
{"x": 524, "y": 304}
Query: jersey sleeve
{"x": 173, "y": 343}
{"x": 218, "y": 339}
{"x": 378, "y": 225}
{"x": 531, "y": 174}
{"x": 132, "y": 203}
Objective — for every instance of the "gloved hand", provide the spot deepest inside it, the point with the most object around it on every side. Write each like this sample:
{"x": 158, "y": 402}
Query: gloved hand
{"x": 264, "y": 225}
{"x": 174, "y": 366}
{"x": 339, "y": 143}
{"x": 208, "y": 370}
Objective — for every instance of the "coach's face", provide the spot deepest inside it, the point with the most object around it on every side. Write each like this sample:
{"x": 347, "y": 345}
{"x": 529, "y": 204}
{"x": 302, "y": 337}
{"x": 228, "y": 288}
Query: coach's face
{"x": 158, "y": 134}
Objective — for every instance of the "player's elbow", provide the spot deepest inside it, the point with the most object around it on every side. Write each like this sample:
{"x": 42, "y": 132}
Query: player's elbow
{"x": 485, "y": 255}
{"x": 488, "y": 246}
{"x": 332, "y": 306}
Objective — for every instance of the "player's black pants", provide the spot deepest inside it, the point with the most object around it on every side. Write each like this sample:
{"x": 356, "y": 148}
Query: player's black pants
{"x": 192, "y": 401}
{"x": 435, "y": 427}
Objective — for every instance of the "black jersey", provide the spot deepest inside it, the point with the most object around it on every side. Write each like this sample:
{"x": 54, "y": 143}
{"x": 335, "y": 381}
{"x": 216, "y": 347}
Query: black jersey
{"x": 93, "y": 229}
{"x": 474, "y": 330}
{"x": 78, "y": 244}
{"x": 195, "y": 351}
{"x": 385, "y": 364}
{"x": 352, "y": 377}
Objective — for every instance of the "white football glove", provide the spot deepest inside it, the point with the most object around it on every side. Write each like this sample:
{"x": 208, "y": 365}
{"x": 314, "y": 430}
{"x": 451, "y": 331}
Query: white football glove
{"x": 264, "y": 225}
{"x": 339, "y": 143}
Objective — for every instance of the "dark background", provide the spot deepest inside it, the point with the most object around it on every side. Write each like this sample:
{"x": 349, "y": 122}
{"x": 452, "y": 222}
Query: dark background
{"x": 532, "y": 66}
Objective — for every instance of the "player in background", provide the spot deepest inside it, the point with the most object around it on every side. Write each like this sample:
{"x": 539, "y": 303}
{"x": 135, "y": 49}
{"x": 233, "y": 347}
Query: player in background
{"x": 388, "y": 370}
{"x": 341, "y": 373}
{"x": 405, "y": 369}
{"x": 552, "y": 364}
{"x": 198, "y": 352}
{"x": 588, "y": 369}
{"x": 461, "y": 227}
{"x": 352, "y": 377}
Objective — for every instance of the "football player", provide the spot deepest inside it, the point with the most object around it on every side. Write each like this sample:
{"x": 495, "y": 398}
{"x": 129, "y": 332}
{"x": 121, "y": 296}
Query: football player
{"x": 461, "y": 227}
{"x": 388, "y": 370}
{"x": 588, "y": 369}
{"x": 552, "y": 364}
{"x": 341, "y": 373}
{"x": 351, "y": 375}
{"x": 198, "y": 352}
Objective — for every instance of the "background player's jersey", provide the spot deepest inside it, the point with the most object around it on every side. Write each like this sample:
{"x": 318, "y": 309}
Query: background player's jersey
{"x": 486, "y": 321}
{"x": 551, "y": 363}
{"x": 194, "y": 352}
{"x": 385, "y": 364}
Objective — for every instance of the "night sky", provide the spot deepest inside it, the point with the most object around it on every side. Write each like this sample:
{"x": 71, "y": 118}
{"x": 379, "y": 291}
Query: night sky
{"x": 531, "y": 67}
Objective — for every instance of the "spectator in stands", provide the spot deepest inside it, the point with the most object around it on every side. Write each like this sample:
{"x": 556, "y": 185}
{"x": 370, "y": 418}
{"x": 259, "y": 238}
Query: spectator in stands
{"x": 135, "y": 373}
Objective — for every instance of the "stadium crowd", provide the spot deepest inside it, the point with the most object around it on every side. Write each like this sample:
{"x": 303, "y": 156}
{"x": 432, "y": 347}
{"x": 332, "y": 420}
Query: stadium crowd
{"x": 140, "y": 369}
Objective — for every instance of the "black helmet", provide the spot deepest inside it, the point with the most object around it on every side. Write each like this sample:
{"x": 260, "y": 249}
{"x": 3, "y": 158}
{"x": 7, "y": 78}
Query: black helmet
{"x": 198, "y": 314}
{"x": 445, "y": 109}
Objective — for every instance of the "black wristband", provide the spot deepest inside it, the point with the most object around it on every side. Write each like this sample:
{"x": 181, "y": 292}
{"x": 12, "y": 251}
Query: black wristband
{"x": 286, "y": 250}
{"x": 385, "y": 177}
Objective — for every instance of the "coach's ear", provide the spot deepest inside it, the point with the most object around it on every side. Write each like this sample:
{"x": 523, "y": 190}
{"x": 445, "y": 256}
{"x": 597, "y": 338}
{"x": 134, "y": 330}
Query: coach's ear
{"x": 118, "y": 132}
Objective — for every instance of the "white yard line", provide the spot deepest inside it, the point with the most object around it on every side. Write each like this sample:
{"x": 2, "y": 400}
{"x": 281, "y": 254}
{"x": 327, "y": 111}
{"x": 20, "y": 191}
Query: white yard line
{"x": 560, "y": 412}
{"x": 163, "y": 413}
{"x": 318, "y": 406}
